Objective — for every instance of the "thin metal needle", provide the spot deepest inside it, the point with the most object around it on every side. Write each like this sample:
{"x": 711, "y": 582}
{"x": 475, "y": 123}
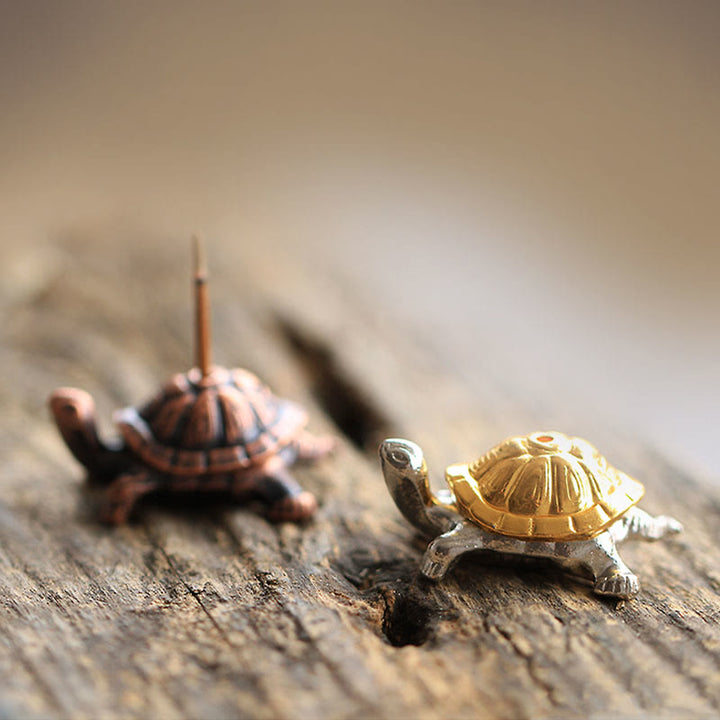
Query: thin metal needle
{"x": 203, "y": 351}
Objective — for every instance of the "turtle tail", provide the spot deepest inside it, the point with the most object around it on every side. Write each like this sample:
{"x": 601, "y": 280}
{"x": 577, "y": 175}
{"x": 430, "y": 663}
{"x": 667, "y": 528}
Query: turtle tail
{"x": 74, "y": 413}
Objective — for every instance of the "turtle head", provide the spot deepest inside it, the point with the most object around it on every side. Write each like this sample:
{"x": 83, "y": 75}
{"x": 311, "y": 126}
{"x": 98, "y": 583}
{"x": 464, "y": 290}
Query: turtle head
{"x": 406, "y": 476}
{"x": 74, "y": 413}
{"x": 404, "y": 459}
{"x": 72, "y": 409}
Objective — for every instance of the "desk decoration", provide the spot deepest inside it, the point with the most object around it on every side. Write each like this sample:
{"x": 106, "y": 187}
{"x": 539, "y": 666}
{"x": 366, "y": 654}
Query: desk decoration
{"x": 545, "y": 496}
{"x": 208, "y": 430}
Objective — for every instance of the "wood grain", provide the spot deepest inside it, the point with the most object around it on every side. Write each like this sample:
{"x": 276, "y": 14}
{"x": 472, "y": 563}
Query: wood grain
{"x": 207, "y": 610}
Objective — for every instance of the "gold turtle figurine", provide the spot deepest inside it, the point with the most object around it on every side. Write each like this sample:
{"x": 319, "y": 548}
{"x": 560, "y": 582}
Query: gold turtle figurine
{"x": 208, "y": 430}
{"x": 545, "y": 495}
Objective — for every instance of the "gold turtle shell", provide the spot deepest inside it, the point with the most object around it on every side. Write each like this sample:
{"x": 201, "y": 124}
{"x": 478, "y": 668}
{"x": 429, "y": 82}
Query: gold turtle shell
{"x": 544, "y": 486}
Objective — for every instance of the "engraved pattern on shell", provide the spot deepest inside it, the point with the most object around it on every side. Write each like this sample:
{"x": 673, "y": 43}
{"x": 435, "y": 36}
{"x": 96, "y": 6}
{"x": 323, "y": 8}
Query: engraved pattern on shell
{"x": 543, "y": 486}
{"x": 223, "y": 422}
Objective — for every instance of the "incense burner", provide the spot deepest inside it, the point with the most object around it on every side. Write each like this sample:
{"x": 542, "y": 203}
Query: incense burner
{"x": 208, "y": 430}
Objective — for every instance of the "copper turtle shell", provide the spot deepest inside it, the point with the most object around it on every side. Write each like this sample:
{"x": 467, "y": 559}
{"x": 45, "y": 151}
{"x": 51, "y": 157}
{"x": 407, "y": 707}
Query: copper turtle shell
{"x": 544, "y": 486}
{"x": 222, "y": 422}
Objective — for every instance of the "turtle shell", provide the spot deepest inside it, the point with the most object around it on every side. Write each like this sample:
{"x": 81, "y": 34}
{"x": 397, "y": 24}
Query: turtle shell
{"x": 544, "y": 486}
{"x": 225, "y": 421}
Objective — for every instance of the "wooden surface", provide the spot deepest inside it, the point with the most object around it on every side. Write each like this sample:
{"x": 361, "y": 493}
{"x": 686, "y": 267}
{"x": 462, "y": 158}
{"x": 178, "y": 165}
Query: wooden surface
{"x": 210, "y": 611}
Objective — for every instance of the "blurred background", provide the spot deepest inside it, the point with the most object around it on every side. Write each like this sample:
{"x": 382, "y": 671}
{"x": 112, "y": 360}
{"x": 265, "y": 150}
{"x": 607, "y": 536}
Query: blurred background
{"x": 542, "y": 175}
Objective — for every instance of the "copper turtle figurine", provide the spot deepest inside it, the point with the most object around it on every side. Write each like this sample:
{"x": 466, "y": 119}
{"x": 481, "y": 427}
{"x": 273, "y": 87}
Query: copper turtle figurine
{"x": 208, "y": 430}
{"x": 545, "y": 495}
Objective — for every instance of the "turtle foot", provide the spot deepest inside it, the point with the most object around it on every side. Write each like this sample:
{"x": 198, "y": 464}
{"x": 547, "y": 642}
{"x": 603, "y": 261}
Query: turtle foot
{"x": 617, "y": 584}
{"x": 113, "y": 514}
{"x": 294, "y": 508}
{"x": 432, "y": 569}
{"x": 123, "y": 493}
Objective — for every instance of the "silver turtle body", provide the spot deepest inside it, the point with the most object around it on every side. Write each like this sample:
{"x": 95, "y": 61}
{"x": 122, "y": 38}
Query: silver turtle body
{"x": 595, "y": 559}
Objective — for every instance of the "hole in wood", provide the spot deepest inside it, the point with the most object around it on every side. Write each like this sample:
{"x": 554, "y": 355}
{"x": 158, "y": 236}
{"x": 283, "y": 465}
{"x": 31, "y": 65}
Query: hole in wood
{"x": 340, "y": 397}
{"x": 411, "y": 619}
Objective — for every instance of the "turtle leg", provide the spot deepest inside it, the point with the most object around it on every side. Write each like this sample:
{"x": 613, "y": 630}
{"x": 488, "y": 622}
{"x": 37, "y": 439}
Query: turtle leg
{"x": 445, "y": 549}
{"x": 611, "y": 575}
{"x": 286, "y": 500}
{"x": 313, "y": 447}
{"x": 123, "y": 492}
{"x": 636, "y": 524}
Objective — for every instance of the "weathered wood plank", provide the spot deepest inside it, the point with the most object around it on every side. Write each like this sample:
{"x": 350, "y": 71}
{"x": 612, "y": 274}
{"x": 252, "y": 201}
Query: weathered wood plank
{"x": 200, "y": 611}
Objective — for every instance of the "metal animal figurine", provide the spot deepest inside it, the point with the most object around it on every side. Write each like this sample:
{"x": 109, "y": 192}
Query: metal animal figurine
{"x": 545, "y": 495}
{"x": 208, "y": 430}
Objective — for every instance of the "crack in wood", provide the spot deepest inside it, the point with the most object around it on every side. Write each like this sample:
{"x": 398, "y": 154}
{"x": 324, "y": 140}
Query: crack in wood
{"x": 181, "y": 578}
{"x": 347, "y": 404}
{"x": 530, "y": 663}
